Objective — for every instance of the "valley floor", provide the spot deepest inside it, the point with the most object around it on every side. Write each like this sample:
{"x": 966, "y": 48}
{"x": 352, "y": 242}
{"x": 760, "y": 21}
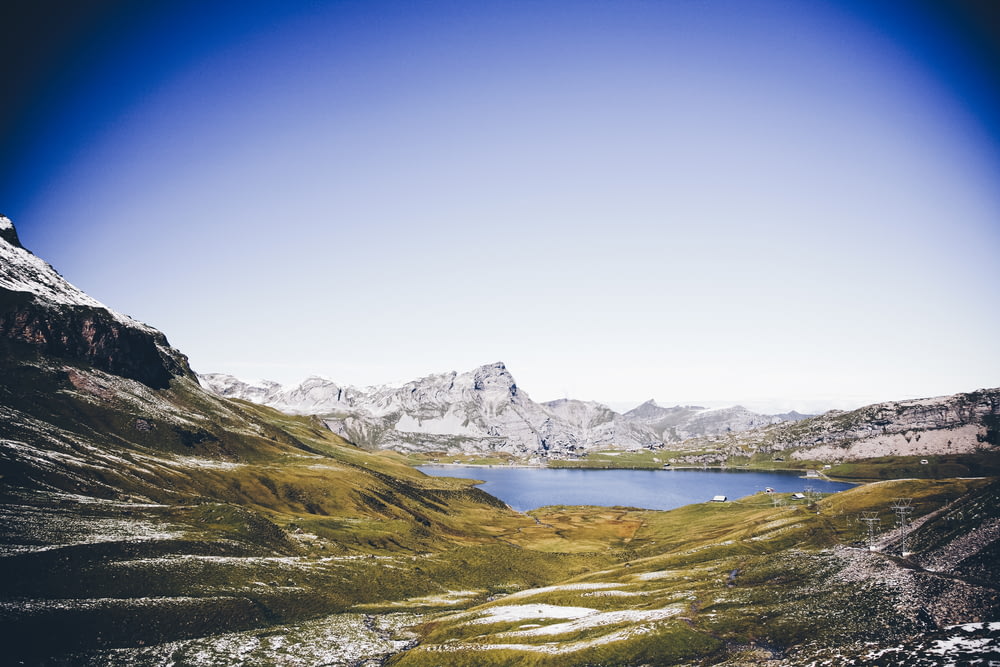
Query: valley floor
{"x": 169, "y": 527}
{"x": 743, "y": 583}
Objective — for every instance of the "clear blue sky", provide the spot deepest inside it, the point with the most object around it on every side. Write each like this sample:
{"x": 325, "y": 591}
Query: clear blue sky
{"x": 690, "y": 200}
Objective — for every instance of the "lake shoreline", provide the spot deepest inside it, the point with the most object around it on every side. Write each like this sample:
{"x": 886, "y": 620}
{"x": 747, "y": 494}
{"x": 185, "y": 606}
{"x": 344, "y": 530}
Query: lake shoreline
{"x": 524, "y": 488}
{"x": 539, "y": 466}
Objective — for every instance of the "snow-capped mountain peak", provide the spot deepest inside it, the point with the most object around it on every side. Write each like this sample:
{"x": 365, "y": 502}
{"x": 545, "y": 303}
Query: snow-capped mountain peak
{"x": 42, "y": 309}
{"x": 494, "y": 376}
{"x": 482, "y": 410}
{"x": 8, "y": 233}
{"x": 21, "y": 271}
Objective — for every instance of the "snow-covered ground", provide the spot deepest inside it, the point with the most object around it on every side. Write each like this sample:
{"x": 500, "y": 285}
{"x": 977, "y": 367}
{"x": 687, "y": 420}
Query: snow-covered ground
{"x": 340, "y": 640}
{"x": 21, "y": 271}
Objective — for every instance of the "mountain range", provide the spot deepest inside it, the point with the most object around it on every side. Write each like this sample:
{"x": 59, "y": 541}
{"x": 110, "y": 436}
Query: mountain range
{"x": 147, "y": 521}
{"x": 137, "y": 508}
{"x": 483, "y": 411}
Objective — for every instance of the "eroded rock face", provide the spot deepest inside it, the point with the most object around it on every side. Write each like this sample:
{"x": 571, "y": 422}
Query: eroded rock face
{"x": 479, "y": 411}
{"x": 724, "y": 420}
{"x": 90, "y": 336}
{"x": 483, "y": 411}
{"x": 956, "y": 424}
{"x": 42, "y": 313}
{"x": 8, "y": 233}
{"x": 683, "y": 422}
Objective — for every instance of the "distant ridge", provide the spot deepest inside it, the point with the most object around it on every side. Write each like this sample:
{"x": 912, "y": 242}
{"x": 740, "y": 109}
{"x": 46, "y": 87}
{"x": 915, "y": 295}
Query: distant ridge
{"x": 481, "y": 411}
{"x": 484, "y": 411}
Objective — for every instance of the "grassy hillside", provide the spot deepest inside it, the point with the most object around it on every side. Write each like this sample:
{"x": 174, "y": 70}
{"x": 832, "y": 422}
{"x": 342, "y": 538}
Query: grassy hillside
{"x": 733, "y": 583}
{"x": 146, "y": 526}
{"x": 133, "y": 516}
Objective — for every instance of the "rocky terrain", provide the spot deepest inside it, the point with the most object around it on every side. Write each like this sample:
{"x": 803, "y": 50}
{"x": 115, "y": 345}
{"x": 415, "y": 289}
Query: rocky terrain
{"x": 484, "y": 411}
{"x": 41, "y": 311}
{"x": 952, "y": 426}
{"x": 146, "y": 521}
{"x": 948, "y": 424}
{"x": 681, "y": 423}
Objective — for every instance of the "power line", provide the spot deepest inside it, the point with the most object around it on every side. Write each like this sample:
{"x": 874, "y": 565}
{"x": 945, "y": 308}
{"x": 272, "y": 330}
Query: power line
{"x": 874, "y": 523}
{"x": 903, "y": 507}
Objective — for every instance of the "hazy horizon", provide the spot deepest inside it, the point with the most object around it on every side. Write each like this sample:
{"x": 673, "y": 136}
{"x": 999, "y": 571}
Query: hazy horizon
{"x": 815, "y": 404}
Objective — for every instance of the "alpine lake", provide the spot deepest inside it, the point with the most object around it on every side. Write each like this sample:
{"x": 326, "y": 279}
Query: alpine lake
{"x": 526, "y": 488}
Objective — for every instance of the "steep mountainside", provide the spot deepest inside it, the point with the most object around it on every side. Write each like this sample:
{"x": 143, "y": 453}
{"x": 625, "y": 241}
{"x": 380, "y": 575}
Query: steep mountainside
{"x": 139, "y": 508}
{"x": 961, "y": 424}
{"x": 946, "y": 424}
{"x": 483, "y": 411}
{"x": 42, "y": 314}
{"x": 664, "y": 421}
{"x": 682, "y": 422}
{"x": 599, "y": 426}
{"x": 143, "y": 524}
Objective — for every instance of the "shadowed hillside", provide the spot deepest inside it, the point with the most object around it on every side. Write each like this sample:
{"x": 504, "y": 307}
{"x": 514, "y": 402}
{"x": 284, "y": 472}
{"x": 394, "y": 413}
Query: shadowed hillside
{"x": 145, "y": 521}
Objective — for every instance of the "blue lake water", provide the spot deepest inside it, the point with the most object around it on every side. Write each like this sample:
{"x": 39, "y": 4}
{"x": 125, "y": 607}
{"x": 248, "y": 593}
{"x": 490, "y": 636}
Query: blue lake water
{"x": 528, "y": 488}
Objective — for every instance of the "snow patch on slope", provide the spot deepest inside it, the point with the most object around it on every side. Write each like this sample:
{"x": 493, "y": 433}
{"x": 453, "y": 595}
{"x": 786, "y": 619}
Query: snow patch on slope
{"x": 22, "y": 271}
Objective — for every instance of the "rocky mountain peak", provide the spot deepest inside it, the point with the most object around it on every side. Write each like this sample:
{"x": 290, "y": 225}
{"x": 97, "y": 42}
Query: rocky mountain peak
{"x": 314, "y": 381}
{"x": 41, "y": 313}
{"x": 8, "y": 233}
{"x": 494, "y": 376}
{"x": 649, "y": 410}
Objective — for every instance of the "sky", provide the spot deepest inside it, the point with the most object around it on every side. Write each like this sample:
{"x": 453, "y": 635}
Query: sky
{"x": 770, "y": 202}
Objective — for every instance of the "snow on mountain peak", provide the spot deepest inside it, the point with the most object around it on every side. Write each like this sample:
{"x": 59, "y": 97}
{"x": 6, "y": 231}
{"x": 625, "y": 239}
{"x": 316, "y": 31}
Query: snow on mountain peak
{"x": 483, "y": 410}
{"x": 494, "y": 376}
{"x": 8, "y": 233}
{"x": 22, "y": 271}
{"x": 46, "y": 312}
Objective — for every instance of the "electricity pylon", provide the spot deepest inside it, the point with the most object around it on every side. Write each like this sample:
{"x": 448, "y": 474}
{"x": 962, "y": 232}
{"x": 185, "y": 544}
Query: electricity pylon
{"x": 903, "y": 507}
{"x": 874, "y": 525}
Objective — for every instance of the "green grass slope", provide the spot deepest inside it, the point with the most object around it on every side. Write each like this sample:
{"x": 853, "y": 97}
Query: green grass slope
{"x": 142, "y": 526}
{"x": 133, "y": 516}
{"x": 742, "y": 583}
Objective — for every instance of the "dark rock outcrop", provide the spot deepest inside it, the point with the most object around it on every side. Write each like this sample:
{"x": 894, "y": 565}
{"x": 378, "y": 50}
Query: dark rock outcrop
{"x": 42, "y": 315}
{"x": 88, "y": 335}
{"x": 8, "y": 233}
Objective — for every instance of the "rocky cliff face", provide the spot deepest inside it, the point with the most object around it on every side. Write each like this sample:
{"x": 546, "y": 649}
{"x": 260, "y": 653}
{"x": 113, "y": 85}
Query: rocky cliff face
{"x": 681, "y": 423}
{"x": 958, "y": 424}
{"x": 8, "y": 233}
{"x": 600, "y": 426}
{"x": 723, "y": 420}
{"x": 42, "y": 313}
{"x": 483, "y": 411}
